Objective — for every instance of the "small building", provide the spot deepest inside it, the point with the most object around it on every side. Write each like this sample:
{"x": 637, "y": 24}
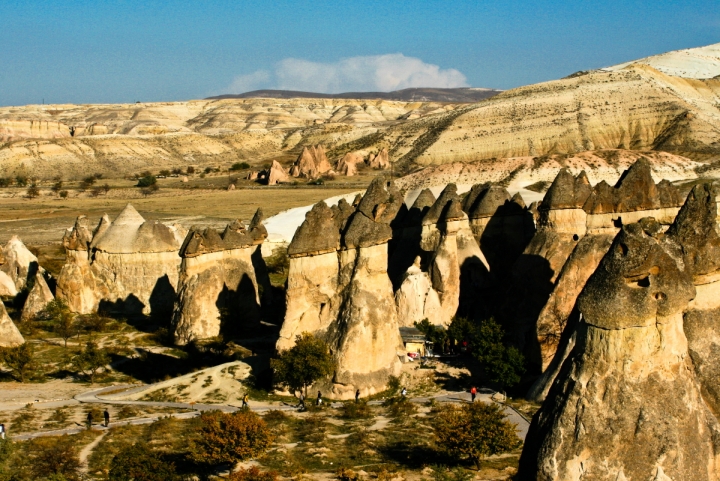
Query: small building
{"x": 413, "y": 340}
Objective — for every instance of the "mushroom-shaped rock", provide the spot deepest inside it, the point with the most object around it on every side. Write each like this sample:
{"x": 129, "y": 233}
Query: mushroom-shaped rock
{"x": 37, "y": 299}
{"x": 626, "y": 403}
{"x": 318, "y": 234}
{"x": 276, "y": 174}
{"x": 370, "y": 225}
{"x": 489, "y": 201}
{"x": 9, "y": 334}
{"x": 448, "y": 194}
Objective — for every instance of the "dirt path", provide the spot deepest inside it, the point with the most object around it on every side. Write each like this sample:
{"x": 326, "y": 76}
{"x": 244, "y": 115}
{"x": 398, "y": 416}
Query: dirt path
{"x": 87, "y": 451}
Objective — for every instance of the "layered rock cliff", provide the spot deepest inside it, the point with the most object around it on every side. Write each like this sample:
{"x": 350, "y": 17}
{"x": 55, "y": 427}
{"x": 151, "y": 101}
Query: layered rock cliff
{"x": 221, "y": 282}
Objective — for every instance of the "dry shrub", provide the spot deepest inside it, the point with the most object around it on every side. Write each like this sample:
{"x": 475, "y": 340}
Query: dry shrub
{"x": 231, "y": 437}
{"x": 253, "y": 473}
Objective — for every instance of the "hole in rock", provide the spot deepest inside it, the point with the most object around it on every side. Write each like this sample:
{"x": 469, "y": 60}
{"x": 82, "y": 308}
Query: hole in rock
{"x": 576, "y": 237}
{"x": 622, "y": 248}
{"x": 660, "y": 296}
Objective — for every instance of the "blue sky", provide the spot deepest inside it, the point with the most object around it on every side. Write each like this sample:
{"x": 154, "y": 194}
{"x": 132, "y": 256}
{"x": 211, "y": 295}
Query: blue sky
{"x": 123, "y": 51}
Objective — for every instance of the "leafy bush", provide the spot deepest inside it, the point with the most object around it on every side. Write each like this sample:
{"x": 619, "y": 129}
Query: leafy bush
{"x": 63, "y": 194}
{"x": 275, "y": 415}
{"x": 33, "y": 191}
{"x": 240, "y": 166}
{"x": 436, "y": 335}
{"x": 231, "y": 437}
{"x": 146, "y": 181}
{"x": 190, "y": 169}
{"x": 400, "y": 406}
{"x": 54, "y": 457}
{"x": 140, "y": 463}
{"x": 474, "y": 431}
{"x": 91, "y": 359}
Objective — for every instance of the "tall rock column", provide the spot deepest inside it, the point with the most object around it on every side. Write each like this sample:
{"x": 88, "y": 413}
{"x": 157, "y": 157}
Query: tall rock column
{"x": 626, "y": 404}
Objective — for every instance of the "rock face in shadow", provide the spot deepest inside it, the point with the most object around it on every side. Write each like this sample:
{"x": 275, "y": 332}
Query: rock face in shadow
{"x": 219, "y": 289}
{"x": 627, "y": 403}
{"x": 130, "y": 265}
{"x": 9, "y": 334}
{"x": 37, "y": 299}
{"x": 696, "y": 230}
{"x": 338, "y": 289}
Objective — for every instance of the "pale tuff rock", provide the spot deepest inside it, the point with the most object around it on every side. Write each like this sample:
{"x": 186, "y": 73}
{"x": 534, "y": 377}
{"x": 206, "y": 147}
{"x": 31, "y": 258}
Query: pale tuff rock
{"x": 338, "y": 288}
{"x": 220, "y": 278}
{"x": 7, "y": 285}
{"x": 696, "y": 230}
{"x": 348, "y": 164}
{"x": 20, "y": 265}
{"x": 277, "y": 174}
{"x": 130, "y": 264}
{"x": 416, "y": 299}
{"x": 37, "y": 299}
{"x": 627, "y": 400}
{"x": 9, "y": 334}
{"x": 380, "y": 161}
{"x": 311, "y": 163}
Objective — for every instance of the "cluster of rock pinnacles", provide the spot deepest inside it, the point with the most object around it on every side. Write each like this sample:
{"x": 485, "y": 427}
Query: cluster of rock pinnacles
{"x": 611, "y": 292}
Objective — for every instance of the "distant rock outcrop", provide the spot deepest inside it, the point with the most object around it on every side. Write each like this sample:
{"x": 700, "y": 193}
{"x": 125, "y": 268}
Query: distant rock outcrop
{"x": 276, "y": 174}
{"x": 9, "y": 334}
{"x": 627, "y": 403}
{"x": 37, "y": 299}
{"x": 380, "y": 161}
{"x": 129, "y": 264}
{"x": 348, "y": 164}
{"x": 219, "y": 286}
{"x": 311, "y": 163}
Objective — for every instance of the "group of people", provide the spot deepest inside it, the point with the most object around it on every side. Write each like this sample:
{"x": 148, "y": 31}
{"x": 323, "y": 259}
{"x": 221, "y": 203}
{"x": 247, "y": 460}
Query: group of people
{"x": 106, "y": 417}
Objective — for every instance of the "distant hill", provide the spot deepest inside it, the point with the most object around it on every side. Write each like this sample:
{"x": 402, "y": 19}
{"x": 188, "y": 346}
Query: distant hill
{"x": 458, "y": 95}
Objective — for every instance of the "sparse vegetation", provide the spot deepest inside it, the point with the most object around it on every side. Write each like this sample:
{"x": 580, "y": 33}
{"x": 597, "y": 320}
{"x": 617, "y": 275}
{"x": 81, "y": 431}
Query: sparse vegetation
{"x": 19, "y": 360}
{"x": 239, "y": 166}
{"x": 231, "y": 437}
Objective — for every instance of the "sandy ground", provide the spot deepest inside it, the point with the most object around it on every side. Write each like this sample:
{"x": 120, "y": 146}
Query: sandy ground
{"x": 15, "y": 395}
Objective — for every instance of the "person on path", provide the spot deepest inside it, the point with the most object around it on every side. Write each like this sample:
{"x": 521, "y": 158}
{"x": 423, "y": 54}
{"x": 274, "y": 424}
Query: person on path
{"x": 2, "y": 431}
{"x": 245, "y": 401}
{"x": 89, "y": 420}
{"x": 473, "y": 392}
{"x": 403, "y": 392}
{"x": 319, "y": 399}
{"x": 106, "y": 415}
{"x": 301, "y": 404}
{"x": 357, "y": 396}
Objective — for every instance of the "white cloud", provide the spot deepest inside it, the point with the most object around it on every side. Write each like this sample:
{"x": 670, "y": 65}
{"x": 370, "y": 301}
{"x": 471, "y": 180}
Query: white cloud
{"x": 369, "y": 73}
{"x": 245, "y": 83}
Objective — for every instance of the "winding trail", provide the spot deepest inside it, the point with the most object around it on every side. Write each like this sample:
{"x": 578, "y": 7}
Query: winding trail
{"x": 96, "y": 396}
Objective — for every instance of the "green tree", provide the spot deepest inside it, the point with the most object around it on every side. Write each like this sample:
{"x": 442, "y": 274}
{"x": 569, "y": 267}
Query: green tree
{"x": 434, "y": 334}
{"x": 61, "y": 319}
{"x": 308, "y": 361}
{"x": 231, "y": 437}
{"x": 474, "y": 431}
{"x": 503, "y": 364}
{"x": 19, "y": 360}
{"x": 91, "y": 359}
{"x": 146, "y": 181}
{"x": 140, "y": 463}
{"x": 239, "y": 166}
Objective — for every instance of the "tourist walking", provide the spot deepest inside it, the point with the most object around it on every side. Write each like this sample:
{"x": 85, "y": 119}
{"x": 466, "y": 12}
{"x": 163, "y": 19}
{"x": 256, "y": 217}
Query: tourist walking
{"x": 245, "y": 401}
{"x": 357, "y": 396}
{"x": 89, "y": 420}
{"x": 301, "y": 404}
{"x": 106, "y": 415}
{"x": 403, "y": 392}
{"x": 473, "y": 393}
{"x": 2, "y": 431}
{"x": 319, "y": 399}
